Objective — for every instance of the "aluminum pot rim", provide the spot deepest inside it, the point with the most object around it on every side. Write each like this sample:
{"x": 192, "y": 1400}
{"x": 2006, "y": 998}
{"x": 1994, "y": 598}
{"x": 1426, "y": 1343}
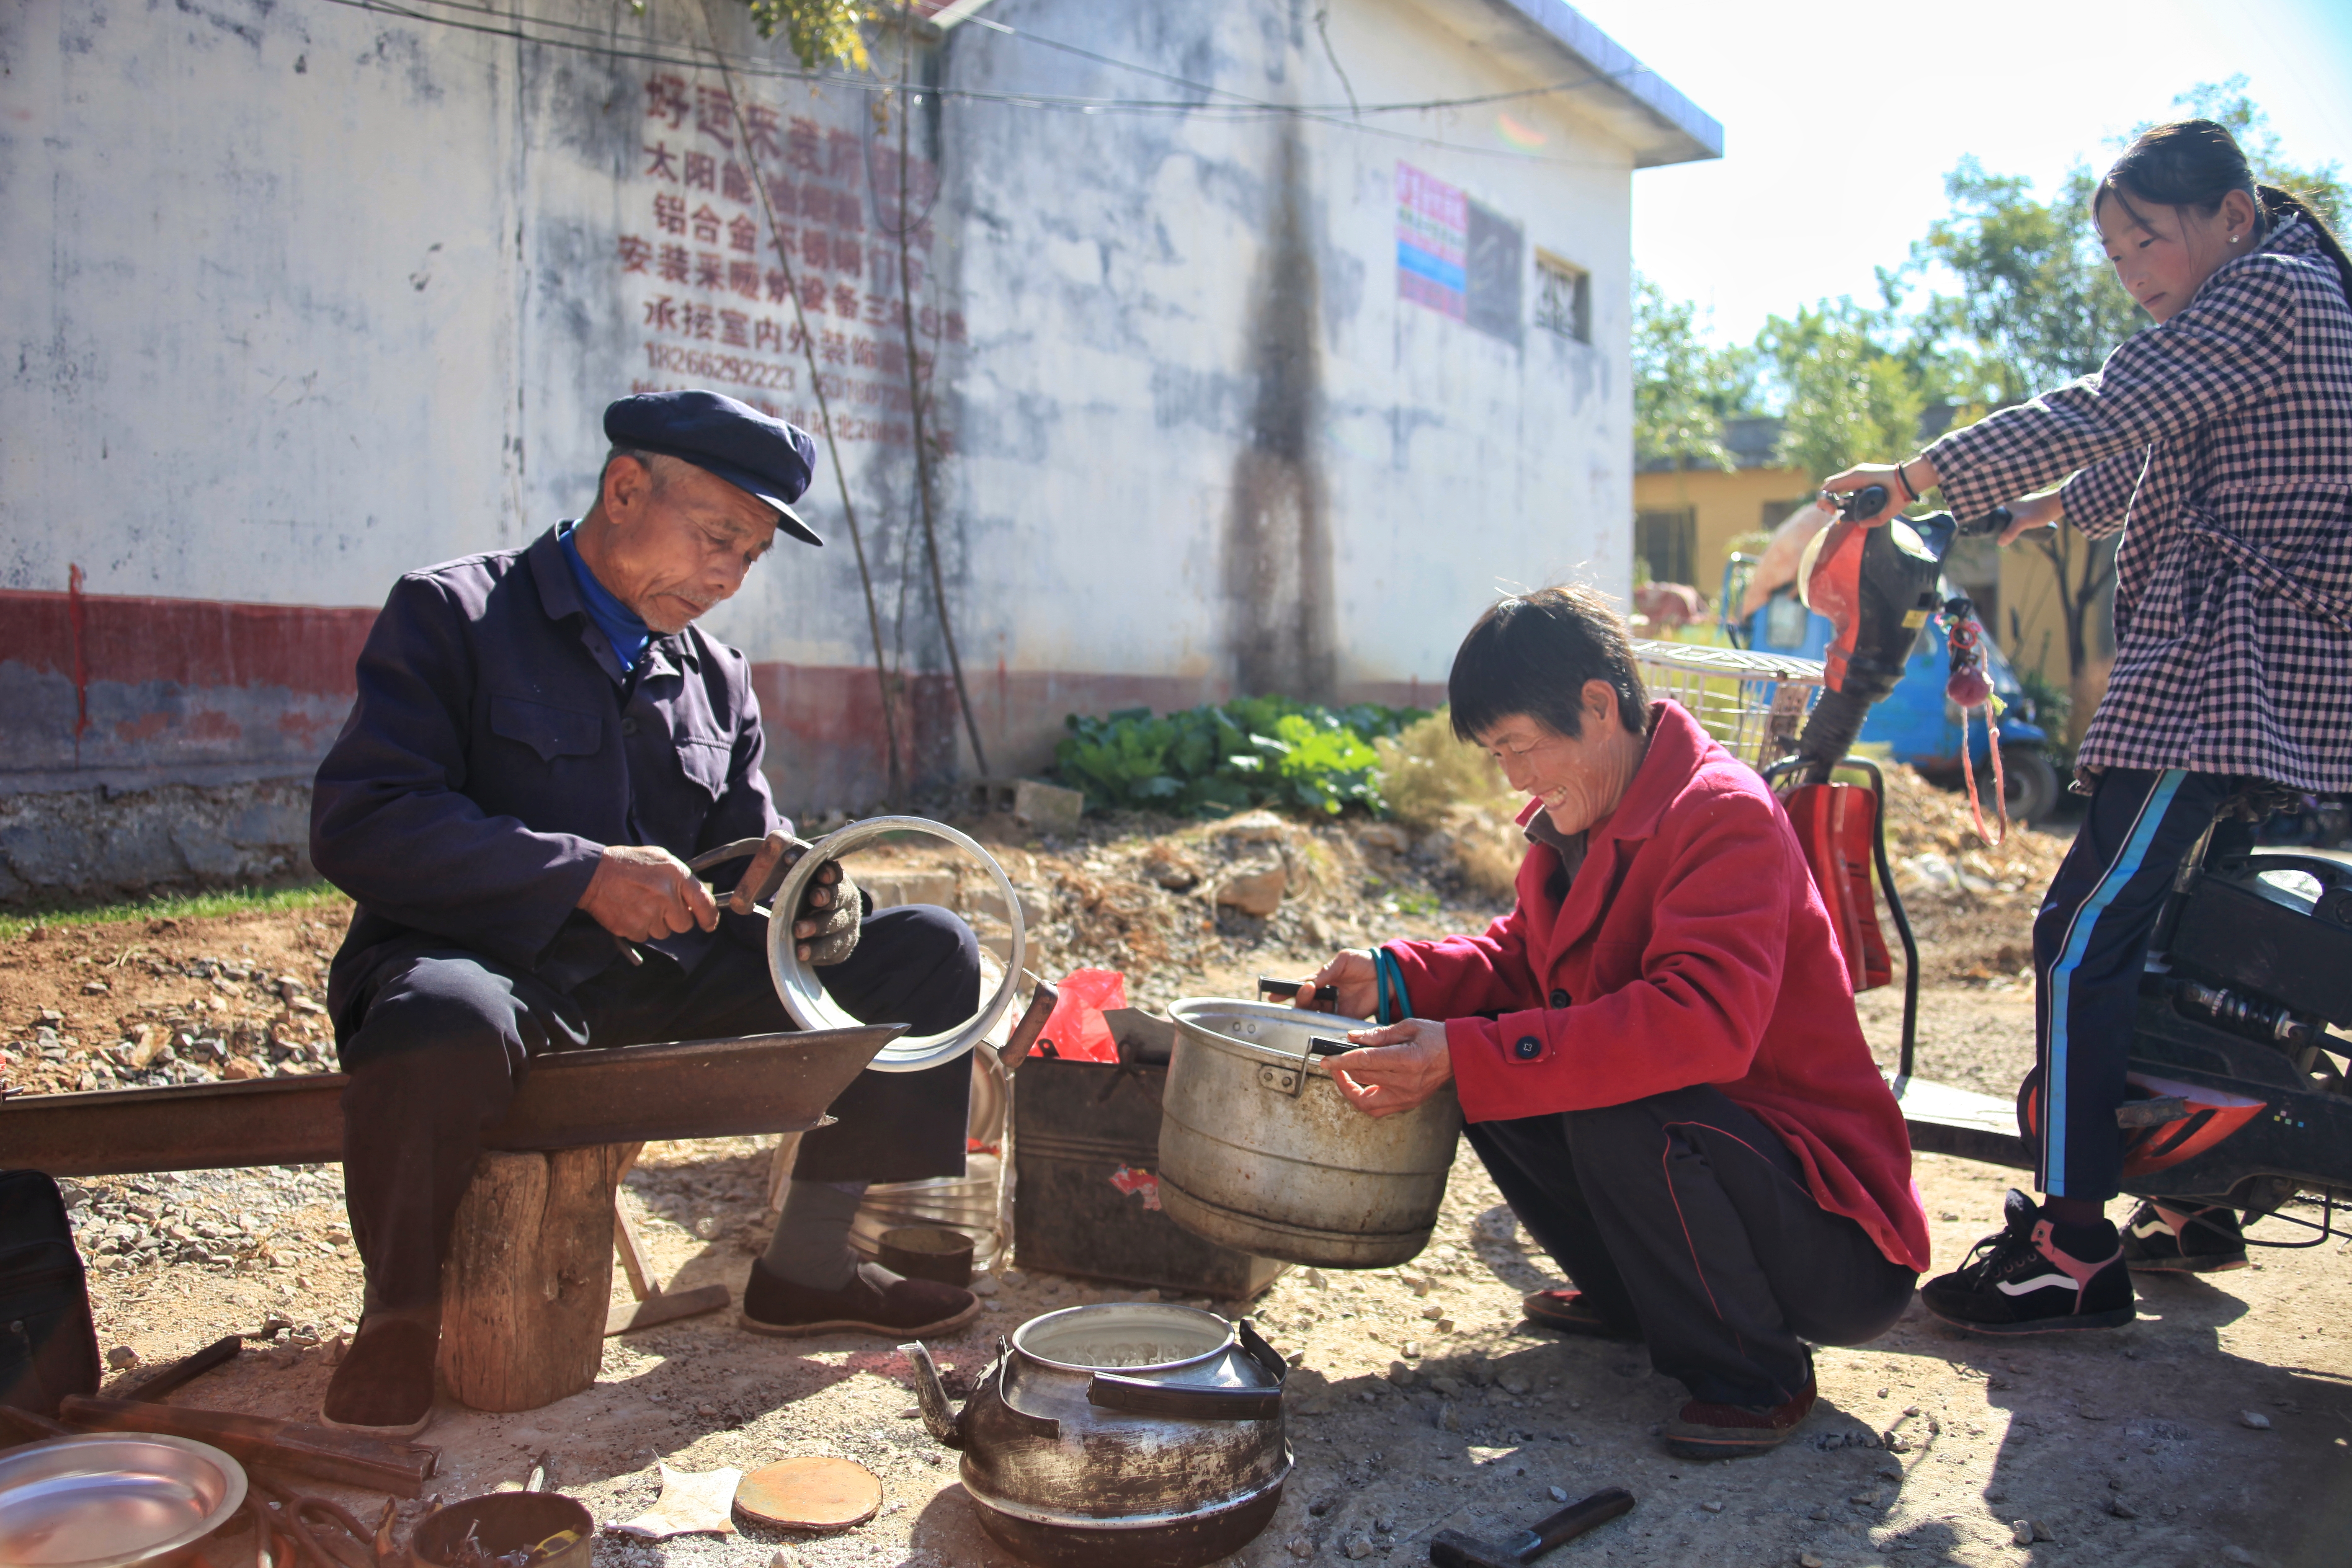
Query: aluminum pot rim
{"x": 802, "y": 994}
{"x": 1232, "y": 1338}
{"x": 233, "y": 1489}
{"x": 1188, "y": 1027}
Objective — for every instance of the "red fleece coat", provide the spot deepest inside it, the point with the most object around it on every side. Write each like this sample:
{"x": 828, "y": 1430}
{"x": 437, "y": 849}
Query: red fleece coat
{"x": 1692, "y": 948}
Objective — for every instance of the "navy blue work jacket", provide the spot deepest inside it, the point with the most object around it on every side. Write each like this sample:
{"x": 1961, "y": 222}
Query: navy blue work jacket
{"x": 497, "y": 747}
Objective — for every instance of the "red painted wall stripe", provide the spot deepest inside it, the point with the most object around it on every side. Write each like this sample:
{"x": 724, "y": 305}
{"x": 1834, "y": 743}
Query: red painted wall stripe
{"x": 191, "y": 642}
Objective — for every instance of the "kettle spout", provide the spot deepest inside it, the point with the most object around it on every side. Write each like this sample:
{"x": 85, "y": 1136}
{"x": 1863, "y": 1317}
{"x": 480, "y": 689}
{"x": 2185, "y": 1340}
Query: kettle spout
{"x": 931, "y": 1394}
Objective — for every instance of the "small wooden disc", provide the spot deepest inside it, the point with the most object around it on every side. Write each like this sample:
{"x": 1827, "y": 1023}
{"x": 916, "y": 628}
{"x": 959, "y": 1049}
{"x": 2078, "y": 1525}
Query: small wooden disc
{"x": 810, "y": 1494}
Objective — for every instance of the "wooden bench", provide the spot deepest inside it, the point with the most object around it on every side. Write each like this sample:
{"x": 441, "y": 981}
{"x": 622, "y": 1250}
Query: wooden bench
{"x": 526, "y": 1290}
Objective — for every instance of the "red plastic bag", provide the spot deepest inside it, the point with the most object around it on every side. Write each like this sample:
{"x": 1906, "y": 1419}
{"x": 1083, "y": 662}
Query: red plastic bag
{"x": 1075, "y": 1028}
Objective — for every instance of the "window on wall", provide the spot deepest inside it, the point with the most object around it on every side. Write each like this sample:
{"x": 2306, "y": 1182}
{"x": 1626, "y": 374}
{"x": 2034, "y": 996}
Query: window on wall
{"x": 1667, "y": 543}
{"x": 1563, "y": 298}
{"x": 1777, "y": 513}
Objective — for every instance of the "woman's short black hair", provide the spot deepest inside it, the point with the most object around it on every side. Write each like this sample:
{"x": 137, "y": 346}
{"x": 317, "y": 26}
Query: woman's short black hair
{"x": 1532, "y": 653}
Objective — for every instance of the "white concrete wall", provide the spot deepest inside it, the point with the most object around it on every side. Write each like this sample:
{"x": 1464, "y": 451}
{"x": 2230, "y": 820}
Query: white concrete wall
{"x": 1117, "y": 266}
{"x": 305, "y": 296}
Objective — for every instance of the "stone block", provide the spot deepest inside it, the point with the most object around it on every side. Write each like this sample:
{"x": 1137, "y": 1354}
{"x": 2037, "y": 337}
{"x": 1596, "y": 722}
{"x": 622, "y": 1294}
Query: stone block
{"x": 1255, "y": 890}
{"x": 1048, "y": 807}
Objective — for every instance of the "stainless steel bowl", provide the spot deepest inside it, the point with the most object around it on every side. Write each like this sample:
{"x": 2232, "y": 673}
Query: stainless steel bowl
{"x": 110, "y": 1500}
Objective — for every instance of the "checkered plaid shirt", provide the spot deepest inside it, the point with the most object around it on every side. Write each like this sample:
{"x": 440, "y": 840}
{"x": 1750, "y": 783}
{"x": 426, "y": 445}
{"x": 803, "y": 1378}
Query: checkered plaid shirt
{"x": 2220, "y": 443}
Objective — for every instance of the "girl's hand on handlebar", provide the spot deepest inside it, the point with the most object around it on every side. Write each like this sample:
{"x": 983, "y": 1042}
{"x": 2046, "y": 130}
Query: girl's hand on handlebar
{"x": 2029, "y": 513}
{"x": 1915, "y": 478}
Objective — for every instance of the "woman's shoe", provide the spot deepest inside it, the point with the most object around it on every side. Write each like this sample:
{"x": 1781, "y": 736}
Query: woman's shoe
{"x": 1572, "y": 1312}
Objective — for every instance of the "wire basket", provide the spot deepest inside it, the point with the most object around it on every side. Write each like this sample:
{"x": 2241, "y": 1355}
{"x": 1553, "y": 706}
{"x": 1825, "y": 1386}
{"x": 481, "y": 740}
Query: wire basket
{"x": 1753, "y": 703}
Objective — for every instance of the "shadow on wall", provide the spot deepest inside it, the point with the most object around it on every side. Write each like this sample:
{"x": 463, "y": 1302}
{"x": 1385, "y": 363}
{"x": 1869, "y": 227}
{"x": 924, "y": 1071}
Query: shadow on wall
{"x": 79, "y": 845}
{"x": 1277, "y": 547}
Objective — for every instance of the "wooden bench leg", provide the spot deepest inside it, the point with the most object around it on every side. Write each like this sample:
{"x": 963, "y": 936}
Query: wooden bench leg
{"x": 529, "y": 1278}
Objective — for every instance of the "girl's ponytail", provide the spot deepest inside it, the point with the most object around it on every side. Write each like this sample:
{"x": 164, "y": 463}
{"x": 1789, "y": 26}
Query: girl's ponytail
{"x": 2280, "y": 204}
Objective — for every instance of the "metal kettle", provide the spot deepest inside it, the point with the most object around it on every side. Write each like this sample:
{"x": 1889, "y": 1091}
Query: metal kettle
{"x": 1119, "y": 1433}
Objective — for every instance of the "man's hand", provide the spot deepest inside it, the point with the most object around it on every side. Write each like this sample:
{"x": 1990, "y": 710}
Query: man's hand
{"x": 1403, "y": 1065}
{"x": 1350, "y": 977}
{"x": 641, "y": 892}
{"x": 830, "y": 911}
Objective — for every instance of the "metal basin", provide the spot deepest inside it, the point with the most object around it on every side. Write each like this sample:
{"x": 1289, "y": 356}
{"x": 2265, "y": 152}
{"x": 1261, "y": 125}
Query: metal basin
{"x": 110, "y": 1500}
{"x": 1259, "y": 1151}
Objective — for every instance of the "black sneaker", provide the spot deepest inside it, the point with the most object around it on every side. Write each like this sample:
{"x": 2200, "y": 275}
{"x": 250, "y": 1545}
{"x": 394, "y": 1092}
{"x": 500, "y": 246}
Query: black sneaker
{"x": 2031, "y": 1278}
{"x": 2193, "y": 1239}
{"x": 385, "y": 1383}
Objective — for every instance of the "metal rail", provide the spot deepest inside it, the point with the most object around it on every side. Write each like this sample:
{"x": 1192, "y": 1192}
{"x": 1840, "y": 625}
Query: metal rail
{"x": 696, "y": 1089}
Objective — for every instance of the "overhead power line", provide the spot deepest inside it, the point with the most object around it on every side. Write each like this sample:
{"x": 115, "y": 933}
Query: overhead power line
{"x": 1218, "y": 104}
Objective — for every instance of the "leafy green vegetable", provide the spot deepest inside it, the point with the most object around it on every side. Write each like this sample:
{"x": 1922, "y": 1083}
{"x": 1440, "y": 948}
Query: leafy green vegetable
{"x": 1253, "y": 751}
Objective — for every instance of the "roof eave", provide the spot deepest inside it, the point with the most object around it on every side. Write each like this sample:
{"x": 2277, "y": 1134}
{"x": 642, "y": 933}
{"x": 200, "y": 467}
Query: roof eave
{"x": 1663, "y": 126}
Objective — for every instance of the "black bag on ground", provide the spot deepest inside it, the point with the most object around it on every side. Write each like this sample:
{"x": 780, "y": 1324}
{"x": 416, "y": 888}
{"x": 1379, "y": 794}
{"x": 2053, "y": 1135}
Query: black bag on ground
{"x": 48, "y": 1346}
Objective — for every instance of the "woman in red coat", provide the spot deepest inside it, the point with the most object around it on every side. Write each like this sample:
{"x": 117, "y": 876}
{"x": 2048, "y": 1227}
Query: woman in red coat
{"x": 1657, "y": 1050}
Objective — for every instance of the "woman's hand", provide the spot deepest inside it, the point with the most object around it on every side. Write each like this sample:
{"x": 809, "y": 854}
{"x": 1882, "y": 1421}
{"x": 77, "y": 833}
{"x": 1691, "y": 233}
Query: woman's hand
{"x": 1352, "y": 979}
{"x": 1904, "y": 482}
{"x": 1401, "y": 1065}
{"x": 2041, "y": 511}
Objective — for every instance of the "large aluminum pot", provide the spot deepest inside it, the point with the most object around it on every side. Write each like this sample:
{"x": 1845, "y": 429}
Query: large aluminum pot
{"x": 1259, "y": 1151}
{"x": 1120, "y": 1435}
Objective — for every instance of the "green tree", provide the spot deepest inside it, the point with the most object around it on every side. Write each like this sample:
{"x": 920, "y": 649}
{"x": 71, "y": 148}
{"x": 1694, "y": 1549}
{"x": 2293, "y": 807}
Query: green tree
{"x": 1684, "y": 389}
{"x": 1847, "y": 396}
{"x": 818, "y": 32}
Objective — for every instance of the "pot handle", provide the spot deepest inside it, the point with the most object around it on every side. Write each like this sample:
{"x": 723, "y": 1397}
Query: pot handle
{"x": 931, "y": 1394}
{"x": 1183, "y": 1403}
{"x": 1192, "y": 1403}
{"x": 1268, "y": 1358}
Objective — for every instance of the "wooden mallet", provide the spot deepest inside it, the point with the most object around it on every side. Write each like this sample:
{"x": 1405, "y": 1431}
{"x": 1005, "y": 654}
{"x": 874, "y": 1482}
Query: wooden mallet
{"x": 1451, "y": 1549}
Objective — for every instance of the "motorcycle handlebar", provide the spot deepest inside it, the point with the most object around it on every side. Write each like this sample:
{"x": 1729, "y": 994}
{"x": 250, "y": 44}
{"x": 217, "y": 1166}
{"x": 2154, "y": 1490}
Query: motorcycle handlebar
{"x": 1868, "y": 501}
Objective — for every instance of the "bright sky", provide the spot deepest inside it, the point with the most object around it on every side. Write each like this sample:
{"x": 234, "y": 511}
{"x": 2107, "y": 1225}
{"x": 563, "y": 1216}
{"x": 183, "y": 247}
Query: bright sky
{"x": 1841, "y": 117}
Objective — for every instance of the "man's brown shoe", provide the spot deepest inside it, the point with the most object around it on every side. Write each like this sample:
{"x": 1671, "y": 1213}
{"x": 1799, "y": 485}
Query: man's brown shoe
{"x": 1572, "y": 1312}
{"x": 875, "y": 1301}
{"x": 385, "y": 1383}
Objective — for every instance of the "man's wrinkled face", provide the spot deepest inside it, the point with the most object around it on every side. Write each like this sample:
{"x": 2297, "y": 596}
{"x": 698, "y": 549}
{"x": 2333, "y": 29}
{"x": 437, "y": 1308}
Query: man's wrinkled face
{"x": 680, "y": 541}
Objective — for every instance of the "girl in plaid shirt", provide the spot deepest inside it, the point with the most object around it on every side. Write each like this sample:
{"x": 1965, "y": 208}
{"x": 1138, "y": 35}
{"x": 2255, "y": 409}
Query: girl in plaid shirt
{"x": 2221, "y": 440}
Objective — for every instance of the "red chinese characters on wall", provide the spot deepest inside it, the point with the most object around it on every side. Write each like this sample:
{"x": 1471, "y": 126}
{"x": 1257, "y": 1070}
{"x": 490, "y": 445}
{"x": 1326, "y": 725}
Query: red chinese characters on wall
{"x": 759, "y": 218}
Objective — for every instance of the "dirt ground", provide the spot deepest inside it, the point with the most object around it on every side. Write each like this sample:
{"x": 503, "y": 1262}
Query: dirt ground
{"x": 2218, "y": 1429}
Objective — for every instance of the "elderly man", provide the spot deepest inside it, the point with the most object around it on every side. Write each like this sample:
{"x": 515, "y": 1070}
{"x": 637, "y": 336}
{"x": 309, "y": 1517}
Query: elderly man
{"x": 543, "y": 740}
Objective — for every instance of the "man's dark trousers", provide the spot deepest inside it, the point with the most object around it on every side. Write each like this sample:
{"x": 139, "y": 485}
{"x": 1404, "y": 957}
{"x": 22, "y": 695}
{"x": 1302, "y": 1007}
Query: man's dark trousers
{"x": 448, "y": 1034}
{"x": 1687, "y": 1220}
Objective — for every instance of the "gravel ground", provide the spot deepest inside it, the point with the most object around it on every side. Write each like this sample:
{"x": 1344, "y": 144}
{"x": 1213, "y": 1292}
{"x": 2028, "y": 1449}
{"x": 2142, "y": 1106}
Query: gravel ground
{"x": 2214, "y": 1431}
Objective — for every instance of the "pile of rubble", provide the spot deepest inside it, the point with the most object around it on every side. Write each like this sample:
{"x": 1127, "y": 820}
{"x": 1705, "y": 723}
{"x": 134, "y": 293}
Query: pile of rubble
{"x": 228, "y": 1222}
{"x": 243, "y": 1021}
{"x": 1932, "y": 840}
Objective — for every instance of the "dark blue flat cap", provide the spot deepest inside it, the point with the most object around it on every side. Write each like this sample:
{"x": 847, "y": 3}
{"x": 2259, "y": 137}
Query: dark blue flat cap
{"x": 764, "y": 458}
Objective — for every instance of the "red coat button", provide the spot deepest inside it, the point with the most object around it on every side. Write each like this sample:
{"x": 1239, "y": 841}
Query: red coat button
{"x": 1527, "y": 1048}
